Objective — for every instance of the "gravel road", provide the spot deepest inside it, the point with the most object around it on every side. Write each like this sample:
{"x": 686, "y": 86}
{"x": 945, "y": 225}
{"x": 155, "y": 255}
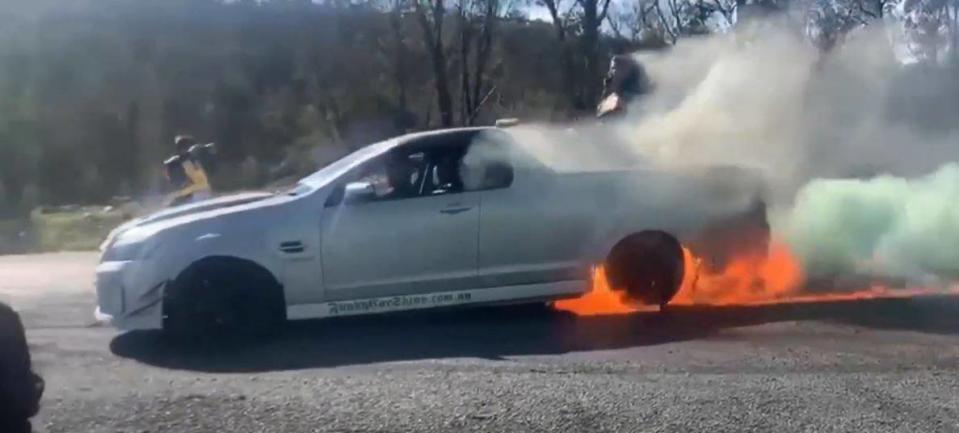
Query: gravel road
{"x": 876, "y": 366}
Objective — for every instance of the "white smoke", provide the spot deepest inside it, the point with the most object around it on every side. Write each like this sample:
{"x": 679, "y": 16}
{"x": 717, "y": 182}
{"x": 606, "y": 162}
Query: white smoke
{"x": 774, "y": 103}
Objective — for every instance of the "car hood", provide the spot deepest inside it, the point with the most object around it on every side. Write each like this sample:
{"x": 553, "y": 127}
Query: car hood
{"x": 219, "y": 203}
{"x": 203, "y": 206}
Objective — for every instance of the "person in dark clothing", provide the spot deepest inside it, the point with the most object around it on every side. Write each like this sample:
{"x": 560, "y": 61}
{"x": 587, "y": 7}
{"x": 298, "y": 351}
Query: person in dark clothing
{"x": 20, "y": 387}
{"x": 625, "y": 81}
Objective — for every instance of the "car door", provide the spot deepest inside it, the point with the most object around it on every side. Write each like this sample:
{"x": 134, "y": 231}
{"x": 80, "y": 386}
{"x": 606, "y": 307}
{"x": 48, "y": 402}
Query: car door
{"x": 534, "y": 227}
{"x": 420, "y": 242}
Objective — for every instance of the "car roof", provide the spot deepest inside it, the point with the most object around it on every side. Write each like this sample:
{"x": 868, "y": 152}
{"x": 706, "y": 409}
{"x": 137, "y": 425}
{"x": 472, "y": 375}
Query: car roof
{"x": 441, "y": 137}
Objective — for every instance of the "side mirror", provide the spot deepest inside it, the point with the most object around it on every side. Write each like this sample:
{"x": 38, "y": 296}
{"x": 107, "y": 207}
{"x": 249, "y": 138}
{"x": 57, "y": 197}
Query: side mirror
{"x": 355, "y": 192}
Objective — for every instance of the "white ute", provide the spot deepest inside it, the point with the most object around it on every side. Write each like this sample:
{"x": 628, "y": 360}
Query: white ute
{"x": 445, "y": 218}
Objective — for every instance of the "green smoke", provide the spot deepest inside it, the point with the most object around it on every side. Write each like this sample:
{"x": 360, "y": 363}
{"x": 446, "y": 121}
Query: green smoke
{"x": 885, "y": 225}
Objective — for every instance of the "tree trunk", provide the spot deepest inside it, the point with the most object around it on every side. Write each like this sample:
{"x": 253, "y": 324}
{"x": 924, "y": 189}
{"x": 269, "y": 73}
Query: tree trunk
{"x": 443, "y": 99}
{"x": 566, "y": 60}
{"x": 400, "y": 58}
{"x": 433, "y": 38}
{"x": 483, "y": 52}
{"x": 589, "y": 42}
{"x": 466, "y": 103}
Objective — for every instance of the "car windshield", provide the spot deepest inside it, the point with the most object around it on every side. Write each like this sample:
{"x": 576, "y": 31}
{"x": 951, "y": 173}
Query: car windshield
{"x": 338, "y": 167}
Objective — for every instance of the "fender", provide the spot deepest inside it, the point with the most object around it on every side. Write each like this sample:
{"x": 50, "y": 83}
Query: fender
{"x": 214, "y": 244}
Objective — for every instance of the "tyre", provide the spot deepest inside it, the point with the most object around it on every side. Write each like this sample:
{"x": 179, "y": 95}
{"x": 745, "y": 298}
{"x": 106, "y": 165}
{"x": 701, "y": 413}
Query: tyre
{"x": 648, "y": 267}
{"x": 223, "y": 296}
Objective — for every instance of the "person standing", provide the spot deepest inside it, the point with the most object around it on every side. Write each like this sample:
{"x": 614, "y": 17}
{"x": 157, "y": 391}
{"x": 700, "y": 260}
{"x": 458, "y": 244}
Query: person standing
{"x": 186, "y": 173}
{"x": 625, "y": 80}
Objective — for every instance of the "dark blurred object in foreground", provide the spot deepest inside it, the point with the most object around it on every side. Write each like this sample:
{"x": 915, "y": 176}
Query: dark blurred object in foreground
{"x": 20, "y": 387}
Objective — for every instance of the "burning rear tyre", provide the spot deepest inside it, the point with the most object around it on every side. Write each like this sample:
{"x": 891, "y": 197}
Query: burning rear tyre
{"x": 647, "y": 266}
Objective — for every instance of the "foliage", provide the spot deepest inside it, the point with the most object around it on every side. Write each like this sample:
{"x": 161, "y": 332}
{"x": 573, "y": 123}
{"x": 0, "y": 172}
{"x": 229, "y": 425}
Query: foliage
{"x": 92, "y": 91}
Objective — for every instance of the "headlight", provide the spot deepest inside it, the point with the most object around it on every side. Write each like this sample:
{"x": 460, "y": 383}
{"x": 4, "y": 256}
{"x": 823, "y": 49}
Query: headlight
{"x": 122, "y": 252}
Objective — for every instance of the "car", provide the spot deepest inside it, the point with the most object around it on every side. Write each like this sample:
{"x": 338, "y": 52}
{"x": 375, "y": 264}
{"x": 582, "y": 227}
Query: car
{"x": 455, "y": 217}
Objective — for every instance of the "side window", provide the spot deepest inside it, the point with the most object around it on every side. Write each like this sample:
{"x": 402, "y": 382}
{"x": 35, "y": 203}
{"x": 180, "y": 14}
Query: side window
{"x": 398, "y": 176}
{"x": 443, "y": 175}
{"x": 445, "y": 164}
{"x": 486, "y": 165}
{"x": 394, "y": 176}
{"x": 473, "y": 162}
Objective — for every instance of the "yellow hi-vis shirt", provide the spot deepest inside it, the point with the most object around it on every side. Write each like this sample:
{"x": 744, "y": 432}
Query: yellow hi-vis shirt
{"x": 198, "y": 180}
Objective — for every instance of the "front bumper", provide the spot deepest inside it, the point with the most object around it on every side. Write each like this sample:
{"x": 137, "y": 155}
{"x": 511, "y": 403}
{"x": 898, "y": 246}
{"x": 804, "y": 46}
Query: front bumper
{"x": 129, "y": 296}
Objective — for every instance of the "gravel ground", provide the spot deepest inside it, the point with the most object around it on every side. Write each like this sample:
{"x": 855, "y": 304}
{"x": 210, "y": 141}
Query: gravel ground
{"x": 869, "y": 366}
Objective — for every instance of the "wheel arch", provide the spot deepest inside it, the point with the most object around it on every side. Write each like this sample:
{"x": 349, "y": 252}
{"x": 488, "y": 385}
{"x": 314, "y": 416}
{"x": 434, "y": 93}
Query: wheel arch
{"x": 222, "y": 261}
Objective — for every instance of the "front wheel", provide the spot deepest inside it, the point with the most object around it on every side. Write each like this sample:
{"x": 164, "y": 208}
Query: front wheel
{"x": 223, "y": 297}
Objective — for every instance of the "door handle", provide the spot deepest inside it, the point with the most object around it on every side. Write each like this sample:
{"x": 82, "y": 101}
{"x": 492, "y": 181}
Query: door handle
{"x": 292, "y": 247}
{"x": 455, "y": 210}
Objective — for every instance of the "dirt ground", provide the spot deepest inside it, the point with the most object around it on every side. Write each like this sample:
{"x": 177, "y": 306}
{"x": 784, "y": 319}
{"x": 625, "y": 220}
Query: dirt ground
{"x": 887, "y": 365}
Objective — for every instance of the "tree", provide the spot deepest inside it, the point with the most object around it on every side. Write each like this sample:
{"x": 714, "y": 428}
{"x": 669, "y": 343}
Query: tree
{"x": 431, "y": 14}
{"x": 478, "y": 21}
{"x": 580, "y": 20}
{"x": 92, "y": 94}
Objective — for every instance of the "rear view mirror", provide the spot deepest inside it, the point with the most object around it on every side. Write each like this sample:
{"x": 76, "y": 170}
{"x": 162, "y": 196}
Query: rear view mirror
{"x": 355, "y": 192}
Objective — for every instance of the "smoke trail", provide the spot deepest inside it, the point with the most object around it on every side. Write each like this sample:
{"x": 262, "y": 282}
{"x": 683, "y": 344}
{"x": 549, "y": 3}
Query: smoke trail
{"x": 886, "y": 225}
{"x": 775, "y": 103}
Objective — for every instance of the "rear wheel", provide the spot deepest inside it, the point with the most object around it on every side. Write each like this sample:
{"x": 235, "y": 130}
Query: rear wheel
{"x": 647, "y": 266}
{"x": 223, "y": 296}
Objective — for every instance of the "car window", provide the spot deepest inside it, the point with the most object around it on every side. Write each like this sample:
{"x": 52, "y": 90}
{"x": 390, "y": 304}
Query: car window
{"x": 443, "y": 175}
{"x": 447, "y": 164}
{"x": 398, "y": 176}
{"x": 486, "y": 164}
{"x": 471, "y": 163}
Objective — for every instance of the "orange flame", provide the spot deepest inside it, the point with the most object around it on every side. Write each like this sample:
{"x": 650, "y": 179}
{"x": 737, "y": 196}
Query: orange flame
{"x": 745, "y": 280}
{"x": 776, "y": 278}
{"x": 601, "y": 299}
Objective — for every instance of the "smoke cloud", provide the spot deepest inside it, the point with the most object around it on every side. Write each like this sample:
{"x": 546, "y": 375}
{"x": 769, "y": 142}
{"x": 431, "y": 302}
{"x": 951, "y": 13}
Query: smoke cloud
{"x": 773, "y": 102}
{"x": 777, "y": 105}
{"x": 886, "y": 226}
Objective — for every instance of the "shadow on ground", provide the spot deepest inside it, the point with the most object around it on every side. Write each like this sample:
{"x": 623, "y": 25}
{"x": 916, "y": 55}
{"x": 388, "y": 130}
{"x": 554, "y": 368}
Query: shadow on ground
{"x": 493, "y": 333}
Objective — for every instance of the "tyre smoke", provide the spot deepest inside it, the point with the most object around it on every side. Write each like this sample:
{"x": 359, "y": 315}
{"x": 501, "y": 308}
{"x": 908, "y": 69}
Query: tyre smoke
{"x": 886, "y": 225}
{"x": 851, "y": 142}
{"x": 847, "y": 139}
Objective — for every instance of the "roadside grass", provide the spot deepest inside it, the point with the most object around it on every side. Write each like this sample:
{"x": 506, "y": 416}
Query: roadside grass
{"x": 80, "y": 228}
{"x": 75, "y": 230}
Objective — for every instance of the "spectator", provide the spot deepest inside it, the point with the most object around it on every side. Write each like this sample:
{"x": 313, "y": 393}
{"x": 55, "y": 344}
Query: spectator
{"x": 186, "y": 173}
{"x": 20, "y": 387}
